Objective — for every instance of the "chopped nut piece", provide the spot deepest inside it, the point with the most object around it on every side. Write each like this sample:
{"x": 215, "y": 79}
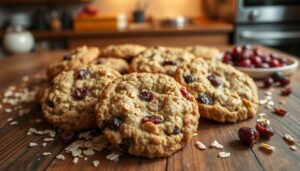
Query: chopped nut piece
{"x": 75, "y": 160}
{"x": 262, "y": 114}
{"x": 14, "y": 123}
{"x": 263, "y": 101}
{"x": 224, "y": 154}
{"x": 48, "y": 139}
{"x": 263, "y": 121}
{"x": 96, "y": 163}
{"x": 9, "y": 119}
{"x": 8, "y": 110}
{"x": 293, "y": 147}
{"x": 217, "y": 145}
{"x": 267, "y": 147}
{"x": 46, "y": 153}
{"x": 60, "y": 157}
{"x": 32, "y": 144}
{"x": 200, "y": 145}
{"x": 88, "y": 152}
{"x": 289, "y": 139}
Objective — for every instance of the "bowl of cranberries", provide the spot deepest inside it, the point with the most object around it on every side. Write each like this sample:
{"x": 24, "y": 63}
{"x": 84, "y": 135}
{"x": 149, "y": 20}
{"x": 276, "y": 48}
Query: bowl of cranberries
{"x": 258, "y": 63}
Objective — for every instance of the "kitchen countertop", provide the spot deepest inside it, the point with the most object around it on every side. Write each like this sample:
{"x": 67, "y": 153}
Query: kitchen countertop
{"x": 16, "y": 155}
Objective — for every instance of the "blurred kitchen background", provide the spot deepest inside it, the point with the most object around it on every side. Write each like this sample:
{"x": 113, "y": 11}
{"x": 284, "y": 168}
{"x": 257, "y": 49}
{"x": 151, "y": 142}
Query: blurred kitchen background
{"x": 43, "y": 25}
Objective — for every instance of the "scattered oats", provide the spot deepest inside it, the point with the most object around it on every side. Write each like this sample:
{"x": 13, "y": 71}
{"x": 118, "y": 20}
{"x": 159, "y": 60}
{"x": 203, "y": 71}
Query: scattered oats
{"x": 195, "y": 134}
{"x": 224, "y": 154}
{"x": 270, "y": 103}
{"x": 44, "y": 144}
{"x": 39, "y": 132}
{"x": 29, "y": 133}
{"x": 96, "y": 163}
{"x": 200, "y": 145}
{"x": 268, "y": 98}
{"x": 282, "y": 101}
{"x": 75, "y": 160}
{"x": 268, "y": 93}
{"x": 32, "y": 144}
{"x": 217, "y": 145}
{"x": 25, "y": 78}
{"x": 9, "y": 119}
{"x": 48, "y": 139}
{"x": 85, "y": 158}
{"x": 8, "y": 110}
{"x": 60, "y": 157}
{"x": 267, "y": 147}
{"x": 46, "y": 153}
{"x": 263, "y": 121}
{"x": 50, "y": 132}
{"x": 114, "y": 156}
{"x": 262, "y": 114}
{"x": 272, "y": 89}
{"x": 293, "y": 147}
{"x": 14, "y": 123}
{"x": 88, "y": 152}
{"x": 263, "y": 101}
{"x": 23, "y": 112}
{"x": 289, "y": 138}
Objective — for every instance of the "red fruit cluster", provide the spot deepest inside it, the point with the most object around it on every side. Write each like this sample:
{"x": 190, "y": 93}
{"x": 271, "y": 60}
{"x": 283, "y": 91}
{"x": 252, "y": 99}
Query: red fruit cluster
{"x": 250, "y": 136}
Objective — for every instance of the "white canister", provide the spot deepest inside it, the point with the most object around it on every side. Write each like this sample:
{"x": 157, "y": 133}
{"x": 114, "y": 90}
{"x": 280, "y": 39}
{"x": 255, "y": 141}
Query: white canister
{"x": 18, "y": 40}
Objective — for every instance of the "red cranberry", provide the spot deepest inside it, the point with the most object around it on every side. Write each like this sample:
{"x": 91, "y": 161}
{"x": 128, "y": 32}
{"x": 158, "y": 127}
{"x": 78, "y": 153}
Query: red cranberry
{"x": 257, "y": 61}
{"x": 279, "y": 111}
{"x": 205, "y": 99}
{"x": 67, "y": 57}
{"x": 248, "y": 136}
{"x": 83, "y": 74}
{"x": 214, "y": 80}
{"x": 246, "y": 53}
{"x": 125, "y": 144}
{"x": 257, "y": 51}
{"x": 114, "y": 123}
{"x": 169, "y": 62}
{"x": 227, "y": 57}
{"x": 265, "y": 130}
{"x": 68, "y": 136}
{"x": 152, "y": 118}
{"x": 188, "y": 79}
{"x": 266, "y": 59}
{"x": 146, "y": 95}
{"x": 245, "y": 63}
{"x": 268, "y": 81}
{"x": 276, "y": 76}
{"x": 286, "y": 91}
{"x": 284, "y": 81}
{"x": 176, "y": 131}
{"x": 236, "y": 52}
{"x": 275, "y": 63}
{"x": 80, "y": 93}
{"x": 184, "y": 93}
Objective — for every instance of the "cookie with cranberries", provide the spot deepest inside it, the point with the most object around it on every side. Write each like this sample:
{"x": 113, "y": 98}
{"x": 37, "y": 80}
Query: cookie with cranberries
{"x": 69, "y": 102}
{"x": 163, "y": 60}
{"x": 124, "y": 51}
{"x": 73, "y": 59}
{"x": 147, "y": 114}
{"x": 115, "y": 63}
{"x": 223, "y": 93}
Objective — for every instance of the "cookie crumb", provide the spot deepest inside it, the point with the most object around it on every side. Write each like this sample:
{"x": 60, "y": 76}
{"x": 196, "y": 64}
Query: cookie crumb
{"x": 267, "y": 147}
{"x": 46, "y": 153}
{"x": 224, "y": 154}
{"x": 263, "y": 101}
{"x": 200, "y": 145}
{"x": 44, "y": 144}
{"x": 8, "y": 110}
{"x": 9, "y": 119}
{"x": 85, "y": 158}
{"x": 75, "y": 160}
{"x": 96, "y": 163}
{"x": 14, "y": 123}
{"x": 48, "y": 139}
{"x": 216, "y": 144}
{"x": 60, "y": 157}
{"x": 32, "y": 144}
{"x": 289, "y": 138}
{"x": 293, "y": 147}
{"x": 114, "y": 156}
{"x": 88, "y": 152}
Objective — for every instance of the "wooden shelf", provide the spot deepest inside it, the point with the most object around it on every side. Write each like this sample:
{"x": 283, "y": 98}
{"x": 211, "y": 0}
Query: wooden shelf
{"x": 18, "y": 2}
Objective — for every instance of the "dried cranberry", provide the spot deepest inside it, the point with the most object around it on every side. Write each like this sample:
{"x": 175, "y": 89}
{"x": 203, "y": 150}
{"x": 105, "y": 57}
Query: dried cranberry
{"x": 184, "y": 93}
{"x": 188, "y": 79}
{"x": 80, "y": 93}
{"x": 214, "y": 80}
{"x": 236, "y": 52}
{"x": 114, "y": 123}
{"x": 227, "y": 57}
{"x": 279, "y": 111}
{"x": 284, "y": 81}
{"x": 275, "y": 63}
{"x": 176, "y": 131}
{"x": 146, "y": 95}
{"x": 152, "y": 118}
{"x": 50, "y": 103}
{"x": 125, "y": 144}
{"x": 170, "y": 62}
{"x": 268, "y": 81}
{"x": 68, "y": 136}
{"x": 265, "y": 130}
{"x": 257, "y": 51}
{"x": 276, "y": 76}
{"x": 67, "y": 57}
{"x": 256, "y": 60}
{"x": 83, "y": 74}
{"x": 286, "y": 91}
{"x": 205, "y": 99}
{"x": 248, "y": 136}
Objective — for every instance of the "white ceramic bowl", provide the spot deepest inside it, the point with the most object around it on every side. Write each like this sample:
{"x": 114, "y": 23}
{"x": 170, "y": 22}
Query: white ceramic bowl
{"x": 260, "y": 73}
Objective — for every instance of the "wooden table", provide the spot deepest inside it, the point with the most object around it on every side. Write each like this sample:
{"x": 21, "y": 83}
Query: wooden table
{"x": 16, "y": 155}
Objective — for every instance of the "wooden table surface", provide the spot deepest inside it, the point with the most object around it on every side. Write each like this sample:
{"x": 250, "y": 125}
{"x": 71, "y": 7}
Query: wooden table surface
{"x": 16, "y": 155}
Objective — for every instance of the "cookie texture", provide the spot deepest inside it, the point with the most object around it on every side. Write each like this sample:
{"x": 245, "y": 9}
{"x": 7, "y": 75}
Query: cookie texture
{"x": 163, "y": 60}
{"x": 224, "y": 94}
{"x": 125, "y": 51}
{"x": 205, "y": 52}
{"x": 147, "y": 114}
{"x": 70, "y": 101}
{"x": 115, "y": 63}
{"x": 76, "y": 58}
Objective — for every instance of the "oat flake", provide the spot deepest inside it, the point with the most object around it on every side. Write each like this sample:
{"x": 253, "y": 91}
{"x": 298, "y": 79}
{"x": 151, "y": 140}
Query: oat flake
{"x": 217, "y": 145}
{"x": 200, "y": 145}
{"x": 224, "y": 154}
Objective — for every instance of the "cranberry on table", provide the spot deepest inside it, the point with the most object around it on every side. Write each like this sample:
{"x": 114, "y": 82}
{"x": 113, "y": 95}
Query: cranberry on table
{"x": 146, "y": 95}
{"x": 248, "y": 136}
{"x": 284, "y": 81}
{"x": 268, "y": 82}
{"x": 152, "y": 118}
{"x": 276, "y": 76}
{"x": 265, "y": 130}
{"x": 286, "y": 91}
{"x": 68, "y": 136}
{"x": 279, "y": 111}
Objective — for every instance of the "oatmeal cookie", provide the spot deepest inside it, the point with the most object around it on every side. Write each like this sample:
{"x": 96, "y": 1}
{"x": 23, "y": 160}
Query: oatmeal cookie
{"x": 205, "y": 52}
{"x": 122, "y": 51}
{"x": 224, "y": 94}
{"x": 115, "y": 63}
{"x": 69, "y": 102}
{"x": 147, "y": 114}
{"x": 163, "y": 60}
{"x": 76, "y": 58}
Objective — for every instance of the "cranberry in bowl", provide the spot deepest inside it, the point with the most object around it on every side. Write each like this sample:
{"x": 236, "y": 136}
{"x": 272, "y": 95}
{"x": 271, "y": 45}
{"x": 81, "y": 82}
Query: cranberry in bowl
{"x": 259, "y": 63}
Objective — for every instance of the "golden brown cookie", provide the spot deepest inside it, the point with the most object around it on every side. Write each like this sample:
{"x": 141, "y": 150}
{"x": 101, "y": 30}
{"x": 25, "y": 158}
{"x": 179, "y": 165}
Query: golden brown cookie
{"x": 69, "y": 103}
{"x": 115, "y": 63}
{"x": 205, "y": 52}
{"x": 224, "y": 94}
{"x": 147, "y": 114}
{"x": 125, "y": 51}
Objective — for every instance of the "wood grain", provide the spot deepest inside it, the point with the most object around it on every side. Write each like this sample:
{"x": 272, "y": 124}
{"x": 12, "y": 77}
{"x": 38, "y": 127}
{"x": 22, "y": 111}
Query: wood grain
{"x": 16, "y": 155}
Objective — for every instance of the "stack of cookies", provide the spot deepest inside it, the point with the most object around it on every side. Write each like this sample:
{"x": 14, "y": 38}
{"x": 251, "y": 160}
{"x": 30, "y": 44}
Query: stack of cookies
{"x": 151, "y": 105}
